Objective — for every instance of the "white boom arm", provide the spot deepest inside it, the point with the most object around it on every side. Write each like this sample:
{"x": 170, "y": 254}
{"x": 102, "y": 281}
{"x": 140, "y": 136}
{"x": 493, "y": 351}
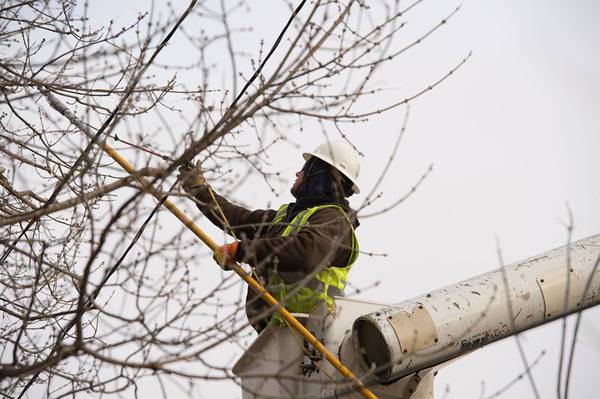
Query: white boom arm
{"x": 396, "y": 349}
{"x": 430, "y": 329}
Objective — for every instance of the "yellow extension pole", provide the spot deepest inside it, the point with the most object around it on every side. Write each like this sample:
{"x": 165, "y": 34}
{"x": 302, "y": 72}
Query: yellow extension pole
{"x": 256, "y": 286}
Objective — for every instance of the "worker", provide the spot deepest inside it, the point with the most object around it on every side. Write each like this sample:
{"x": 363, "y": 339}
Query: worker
{"x": 301, "y": 252}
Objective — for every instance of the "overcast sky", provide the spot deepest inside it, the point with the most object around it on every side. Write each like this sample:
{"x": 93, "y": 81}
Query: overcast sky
{"x": 514, "y": 137}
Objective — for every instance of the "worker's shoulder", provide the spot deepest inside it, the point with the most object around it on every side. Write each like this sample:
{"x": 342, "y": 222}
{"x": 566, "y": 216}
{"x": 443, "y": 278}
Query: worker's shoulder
{"x": 328, "y": 214}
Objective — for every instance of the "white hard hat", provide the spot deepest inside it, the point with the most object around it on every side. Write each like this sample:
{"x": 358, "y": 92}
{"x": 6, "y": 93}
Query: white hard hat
{"x": 342, "y": 156}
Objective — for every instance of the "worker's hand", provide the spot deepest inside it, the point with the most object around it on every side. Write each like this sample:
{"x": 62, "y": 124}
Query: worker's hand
{"x": 225, "y": 255}
{"x": 191, "y": 178}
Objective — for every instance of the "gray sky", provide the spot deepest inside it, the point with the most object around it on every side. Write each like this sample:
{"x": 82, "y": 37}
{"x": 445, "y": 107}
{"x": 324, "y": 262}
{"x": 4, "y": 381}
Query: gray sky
{"x": 514, "y": 138}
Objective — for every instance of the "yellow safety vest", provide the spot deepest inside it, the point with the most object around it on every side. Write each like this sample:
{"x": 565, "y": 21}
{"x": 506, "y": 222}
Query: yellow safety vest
{"x": 324, "y": 285}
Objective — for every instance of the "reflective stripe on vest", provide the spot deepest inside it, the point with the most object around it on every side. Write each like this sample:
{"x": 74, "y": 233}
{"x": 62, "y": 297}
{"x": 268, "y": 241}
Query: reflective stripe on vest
{"x": 324, "y": 285}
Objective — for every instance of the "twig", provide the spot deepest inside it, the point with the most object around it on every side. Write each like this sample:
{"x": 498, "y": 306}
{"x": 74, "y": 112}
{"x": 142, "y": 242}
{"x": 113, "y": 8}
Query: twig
{"x": 511, "y": 316}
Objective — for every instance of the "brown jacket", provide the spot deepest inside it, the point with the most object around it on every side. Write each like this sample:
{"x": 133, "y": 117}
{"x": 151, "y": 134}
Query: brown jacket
{"x": 324, "y": 241}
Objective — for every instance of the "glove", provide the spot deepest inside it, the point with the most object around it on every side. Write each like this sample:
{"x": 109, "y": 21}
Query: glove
{"x": 225, "y": 255}
{"x": 191, "y": 178}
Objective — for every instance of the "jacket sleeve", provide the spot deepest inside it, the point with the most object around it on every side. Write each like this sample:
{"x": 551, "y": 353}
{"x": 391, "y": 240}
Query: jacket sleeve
{"x": 326, "y": 240}
{"x": 244, "y": 222}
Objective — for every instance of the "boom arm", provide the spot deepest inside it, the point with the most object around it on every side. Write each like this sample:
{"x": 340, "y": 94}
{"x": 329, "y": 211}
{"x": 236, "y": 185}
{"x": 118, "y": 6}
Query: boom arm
{"x": 430, "y": 329}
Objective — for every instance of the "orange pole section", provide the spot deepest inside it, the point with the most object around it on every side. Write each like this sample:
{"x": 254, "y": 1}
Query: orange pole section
{"x": 256, "y": 286}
